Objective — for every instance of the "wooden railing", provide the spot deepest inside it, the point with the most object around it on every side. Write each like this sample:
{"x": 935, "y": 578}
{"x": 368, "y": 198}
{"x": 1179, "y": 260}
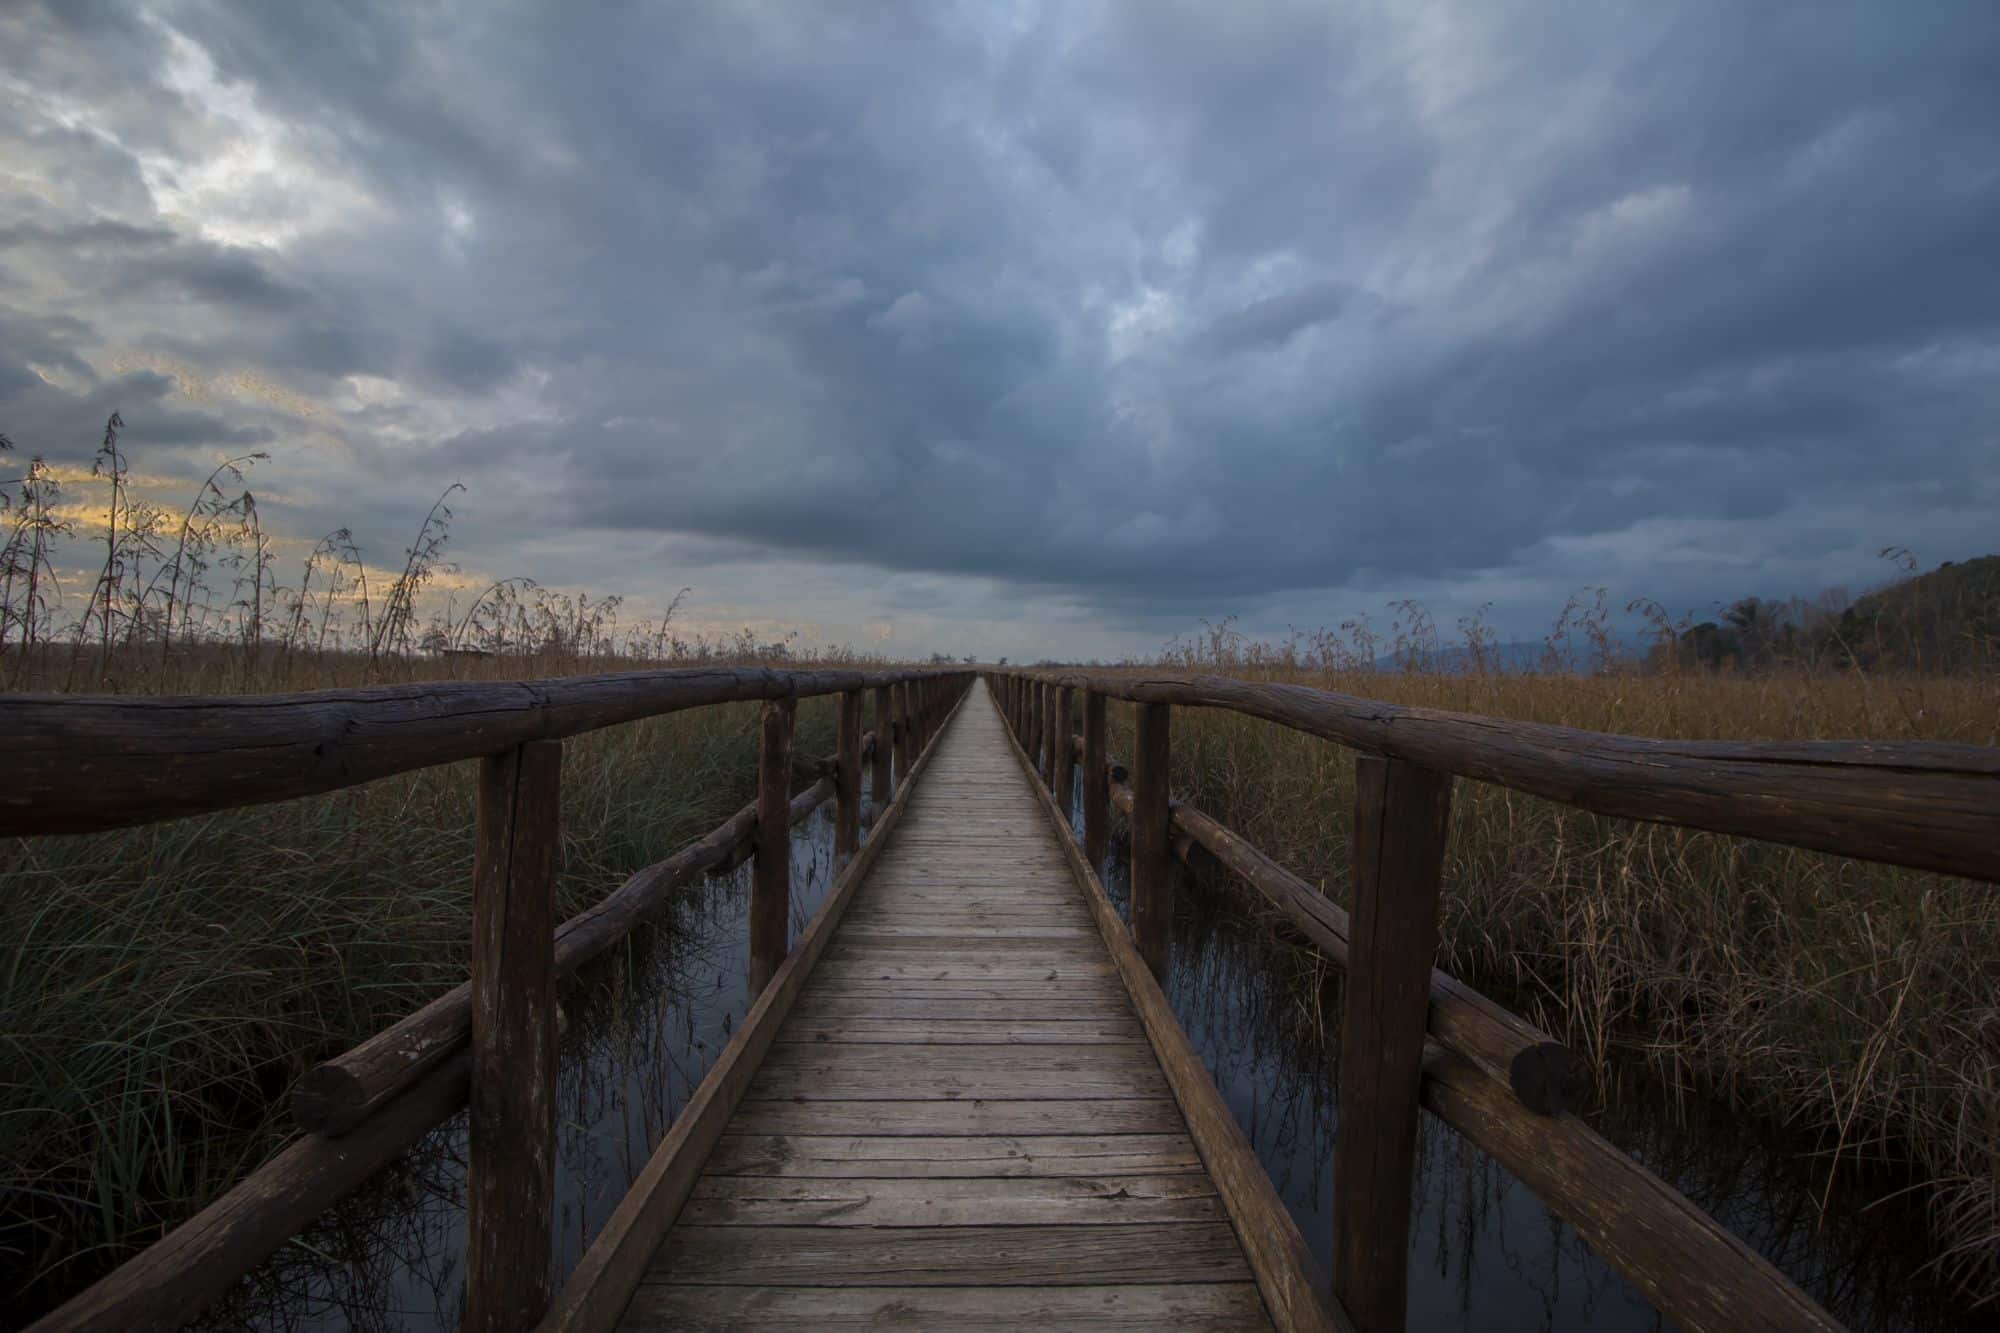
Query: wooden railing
{"x": 1412, "y": 1036}
{"x": 79, "y": 764}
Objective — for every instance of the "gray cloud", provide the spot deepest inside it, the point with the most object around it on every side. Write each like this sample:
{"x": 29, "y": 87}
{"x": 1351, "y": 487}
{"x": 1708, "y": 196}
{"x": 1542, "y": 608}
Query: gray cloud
{"x": 1138, "y": 310}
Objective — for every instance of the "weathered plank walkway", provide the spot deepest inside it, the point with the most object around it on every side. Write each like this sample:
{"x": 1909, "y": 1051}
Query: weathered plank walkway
{"x": 961, "y": 1123}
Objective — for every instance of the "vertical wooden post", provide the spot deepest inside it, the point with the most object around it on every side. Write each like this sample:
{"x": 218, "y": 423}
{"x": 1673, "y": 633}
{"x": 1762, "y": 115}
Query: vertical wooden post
{"x": 885, "y": 727}
{"x": 899, "y": 693}
{"x": 1031, "y": 730}
{"x": 510, "y": 1186}
{"x": 1152, "y": 846}
{"x": 847, "y": 776}
{"x": 1062, "y": 754}
{"x": 1045, "y": 709}
{"x": 771, "y": 874}
{"x": 1400, "y": 817}
{"x": 1096, "y": 783}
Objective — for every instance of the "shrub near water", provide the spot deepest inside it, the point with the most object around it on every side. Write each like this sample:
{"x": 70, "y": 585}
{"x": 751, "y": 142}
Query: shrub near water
{"x": 1852, "y": 1002}
{"x": 162, "y": 987}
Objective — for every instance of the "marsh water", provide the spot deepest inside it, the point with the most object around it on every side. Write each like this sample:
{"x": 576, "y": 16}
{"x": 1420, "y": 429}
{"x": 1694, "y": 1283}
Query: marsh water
{"x": 1485, "y": 1253}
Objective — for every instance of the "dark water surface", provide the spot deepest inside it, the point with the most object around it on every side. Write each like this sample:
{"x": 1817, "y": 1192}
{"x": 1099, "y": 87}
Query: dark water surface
{"x": 640, "y": 1040}
{"x": 1485, "y": 1253}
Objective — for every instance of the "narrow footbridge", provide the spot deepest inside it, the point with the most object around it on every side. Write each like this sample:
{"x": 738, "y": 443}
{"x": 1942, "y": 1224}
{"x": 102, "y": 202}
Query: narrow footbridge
{"x": 960, "y": 1098}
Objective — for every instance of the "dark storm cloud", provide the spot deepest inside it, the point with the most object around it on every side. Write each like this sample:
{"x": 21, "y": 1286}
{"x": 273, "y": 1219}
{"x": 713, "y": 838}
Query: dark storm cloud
{"x": 1164, "y": 308}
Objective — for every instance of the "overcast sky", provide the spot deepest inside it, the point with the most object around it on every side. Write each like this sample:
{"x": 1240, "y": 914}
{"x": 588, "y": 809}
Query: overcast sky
{"x": 1033, "y": 328}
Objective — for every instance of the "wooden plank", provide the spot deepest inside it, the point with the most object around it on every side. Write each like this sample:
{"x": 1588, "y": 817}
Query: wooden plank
{"x": 510, "y": 1177}
{"x": 972, "y": 1117}
{"x": 897, "y": 1201}
{"x": 908, "y": 965}
{"x": 834, "y": 1081}
{"x": 971, "y": 1062}
{"x": 892, "y": 933}
{"x": 917, "y": 1030}
{"x": 934, "y": 1157}
{"x": 1193, "y": 1307}
{"x": 951, "y": 1256}
{"x": 610, "y": 1270}
{"x": 1039, "y": 1008}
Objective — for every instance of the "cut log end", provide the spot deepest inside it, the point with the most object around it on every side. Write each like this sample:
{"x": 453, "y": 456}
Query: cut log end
{"x": 1549, "y": 1078}
{"x": 328, "y": 1100}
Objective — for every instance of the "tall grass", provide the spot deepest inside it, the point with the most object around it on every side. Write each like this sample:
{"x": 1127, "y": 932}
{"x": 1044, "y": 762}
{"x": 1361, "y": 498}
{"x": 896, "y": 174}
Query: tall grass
{"x": 1852, "y": 1003}
{"x": 162, "y": 987}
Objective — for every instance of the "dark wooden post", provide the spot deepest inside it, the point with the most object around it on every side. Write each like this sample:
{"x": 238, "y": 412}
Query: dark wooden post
{"x": 510, "y": 1185}
{"x": 900, "y": 693}
{"x": 771, "y": 874}
{"x": 1045, "y": 722}
{"x": 1031, "y": 731}
{"x": 847, "y": 777}
{"x": 1096, "y": 783}
{"x": 885, "y": 727}
{"x": 1400, "y": 817}
{"x": 1152, "y": 846}
{"x": 1062, "y": 753}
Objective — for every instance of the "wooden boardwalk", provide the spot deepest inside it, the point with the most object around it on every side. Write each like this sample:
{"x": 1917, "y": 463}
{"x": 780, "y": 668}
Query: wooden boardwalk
{"x": 961, "y": 1122}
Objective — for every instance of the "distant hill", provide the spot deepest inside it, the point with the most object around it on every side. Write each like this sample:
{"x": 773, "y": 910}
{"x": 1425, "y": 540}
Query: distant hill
{"x": 1944, "y": 620}
{"x": 1947, "y": 618}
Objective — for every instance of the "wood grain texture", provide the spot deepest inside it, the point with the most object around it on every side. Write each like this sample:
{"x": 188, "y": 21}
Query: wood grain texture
{"x": 847, "y": 775}
{"x": 510, "y": 1175}
{"x": 932, "y": 1157}
{"x": 1401, "y": 816}
{"x": 951, "y": 1256}
{"x": 81, "y": 763}
{"x": 1194, "y": 1307}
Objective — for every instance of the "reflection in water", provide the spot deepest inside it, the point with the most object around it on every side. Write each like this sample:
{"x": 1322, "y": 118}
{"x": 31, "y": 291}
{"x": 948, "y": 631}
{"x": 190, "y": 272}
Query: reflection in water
{"x": 1486, "y": 1253}
{"x": 643, "y": 1030}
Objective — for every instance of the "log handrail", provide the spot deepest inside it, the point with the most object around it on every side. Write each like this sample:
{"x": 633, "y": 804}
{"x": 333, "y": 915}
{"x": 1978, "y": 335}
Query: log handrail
{"x": 83, "y": 763}
{"x": 1923, "y": 805}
